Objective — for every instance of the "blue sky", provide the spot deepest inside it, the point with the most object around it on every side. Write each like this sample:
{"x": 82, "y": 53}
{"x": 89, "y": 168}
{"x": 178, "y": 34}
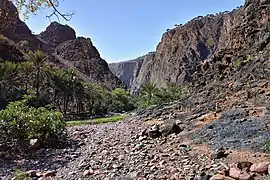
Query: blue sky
{"x": 126, "y": 29}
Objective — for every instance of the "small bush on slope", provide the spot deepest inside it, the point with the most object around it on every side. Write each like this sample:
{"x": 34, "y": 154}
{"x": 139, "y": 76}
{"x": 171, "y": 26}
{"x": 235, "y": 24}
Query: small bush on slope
{"x": 267, "y": 146}
{"x": 20, "y": 122}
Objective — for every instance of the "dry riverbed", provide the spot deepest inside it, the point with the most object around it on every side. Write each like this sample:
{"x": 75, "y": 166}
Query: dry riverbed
{"x": 119, "y": 150}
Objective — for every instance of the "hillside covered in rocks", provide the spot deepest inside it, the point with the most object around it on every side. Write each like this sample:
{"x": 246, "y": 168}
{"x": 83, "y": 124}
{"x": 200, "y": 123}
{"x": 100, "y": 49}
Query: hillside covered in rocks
{"x": 226, "y": 39}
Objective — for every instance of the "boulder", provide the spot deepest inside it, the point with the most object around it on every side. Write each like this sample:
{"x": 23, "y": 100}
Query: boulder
{"x": 204, "y": 176}
{"x": 261, "y": 167}
{"x": 32, "y": 173}
{"x": 219, "y": 154}
{"x": 49, "y": 174}
{"x": 154, "y": 132}
{"x": 170, "y": 129}
{"x": 88, "y": 172}
{"x": 35, "y": 144}
{"x": 234, "y": 173}
{"x": 221, "y": 177}
{"x": 245, "y": 176}
{"x": 244, "y": 165}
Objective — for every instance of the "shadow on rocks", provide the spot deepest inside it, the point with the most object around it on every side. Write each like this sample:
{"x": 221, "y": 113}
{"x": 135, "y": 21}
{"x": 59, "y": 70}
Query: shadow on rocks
{"x": 22, "y": 157}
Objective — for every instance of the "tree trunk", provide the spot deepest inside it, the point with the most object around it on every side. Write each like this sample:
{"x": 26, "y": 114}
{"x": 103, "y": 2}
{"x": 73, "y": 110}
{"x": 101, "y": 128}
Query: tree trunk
{"x": 37, "y": 79}
{"x": 66, "y": 104}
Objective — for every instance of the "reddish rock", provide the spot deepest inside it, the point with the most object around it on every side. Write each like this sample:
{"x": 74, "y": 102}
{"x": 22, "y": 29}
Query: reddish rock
{"x": 88, "y": 172}
{"x": 235, "y": 173}
{"x": 49, "y": 174}
{"x": 261, "y": 167}
{"x": 245, "y": 176}
{"x": 221, "y": 177}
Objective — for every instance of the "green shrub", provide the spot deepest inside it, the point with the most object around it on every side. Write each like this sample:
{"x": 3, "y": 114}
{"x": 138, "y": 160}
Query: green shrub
{"x": 2, "y": 37}
{"x": 267, "y": 146}
{"x": 20, "y": 175}
{"x": 210, "y": 43}
{"x": 239, "y": 62}
{"x": 21, "y": 122}
{"x": 121, "y": 101}
{"x": 150, "y": 95}
{"x": 242, "y": 62}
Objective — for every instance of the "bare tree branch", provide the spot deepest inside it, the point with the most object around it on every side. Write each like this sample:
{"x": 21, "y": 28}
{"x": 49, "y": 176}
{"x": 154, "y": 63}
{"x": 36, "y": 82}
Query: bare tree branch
{"x": 56, "y": 13}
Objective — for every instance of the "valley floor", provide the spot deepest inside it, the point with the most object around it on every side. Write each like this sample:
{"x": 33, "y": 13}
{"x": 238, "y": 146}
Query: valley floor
{"x": 116, "y": 151}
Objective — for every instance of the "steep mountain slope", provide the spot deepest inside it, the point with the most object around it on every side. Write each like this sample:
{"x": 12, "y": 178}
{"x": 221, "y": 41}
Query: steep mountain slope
{"x": 56, "y": 33}
{"x": 82, "y": 55}
{"x": 16, "y": 30}
{"x": 9, "y": 52}
{"x": 186, "y": 51}
{"x": 127, "y": 71}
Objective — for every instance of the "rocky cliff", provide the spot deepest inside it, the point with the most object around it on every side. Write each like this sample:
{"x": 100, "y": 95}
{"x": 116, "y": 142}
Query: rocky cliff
{"x": 82, "y": 55}
{"x": 222, "y": 40}
{"x": 56, "y": 33}
{"x": 9, "y": 52}
{"x": 127, "y": 71}
{"x": 16, "y": 30}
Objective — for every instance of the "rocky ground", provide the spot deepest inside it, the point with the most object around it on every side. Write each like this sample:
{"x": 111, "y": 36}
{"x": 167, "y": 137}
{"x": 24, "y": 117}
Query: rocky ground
{"x": 218, "y": 132}
{"x": 153, "y": 145}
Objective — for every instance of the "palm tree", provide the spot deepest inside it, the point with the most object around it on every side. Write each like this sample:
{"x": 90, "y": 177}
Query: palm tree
{"x": 148, "y": 92}
{"x": 175, "y": 91}
{"x": 67, "y": 88}
{"x": 12, "y": 76}
{"x": 37, "y": 58}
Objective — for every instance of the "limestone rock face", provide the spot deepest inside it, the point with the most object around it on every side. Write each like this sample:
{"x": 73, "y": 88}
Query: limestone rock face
{"x": 82, "y": 55}
{"x": 131, "y": 72}
{"x": 56, "y": 34}
{"x": 127, "y": 71}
